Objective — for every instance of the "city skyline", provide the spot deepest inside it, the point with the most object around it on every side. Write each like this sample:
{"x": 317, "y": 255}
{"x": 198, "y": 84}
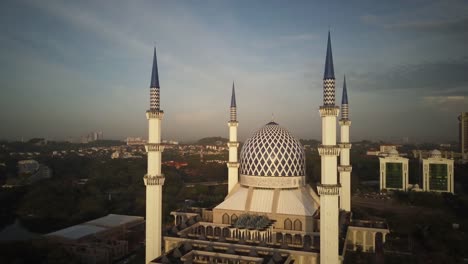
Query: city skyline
{"x": 72, "y": 68}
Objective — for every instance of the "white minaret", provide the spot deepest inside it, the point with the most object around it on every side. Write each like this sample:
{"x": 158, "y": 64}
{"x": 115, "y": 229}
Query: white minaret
{"x": 233, "y": 144}
{"x": 329, "y": 189}
{"x": 154, "y": 179}
{"x": 345, "y": 146}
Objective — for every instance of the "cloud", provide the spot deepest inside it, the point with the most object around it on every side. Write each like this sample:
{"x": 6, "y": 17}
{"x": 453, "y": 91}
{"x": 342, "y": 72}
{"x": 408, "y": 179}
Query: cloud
{"x": 299, "y": 37}
{"x": 86, "y": 20}
{"x": 440, "y": 26}
{"x": 447, "y": 78}
{"x": 370, "y": 19}
{"x": 446, "y": 103}
{"x": 429, "y": 16}
{"x": 443, "y": 99}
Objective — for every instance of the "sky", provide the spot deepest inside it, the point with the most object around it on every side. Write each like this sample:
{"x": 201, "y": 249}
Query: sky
{"x": 71, "y": 67}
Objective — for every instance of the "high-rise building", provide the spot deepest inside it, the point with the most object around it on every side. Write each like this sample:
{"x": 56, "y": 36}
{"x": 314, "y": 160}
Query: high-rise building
{"x": 438, "y": 173}
{"x": 463, "y": 132}
{"x": 393, "y": 172}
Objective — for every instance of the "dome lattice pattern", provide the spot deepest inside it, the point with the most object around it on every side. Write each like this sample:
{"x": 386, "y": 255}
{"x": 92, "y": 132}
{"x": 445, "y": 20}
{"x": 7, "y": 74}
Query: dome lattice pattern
{"x": 272, "y": 151}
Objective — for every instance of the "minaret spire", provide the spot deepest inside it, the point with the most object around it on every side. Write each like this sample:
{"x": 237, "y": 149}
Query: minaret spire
{"x": 329, "y": 72}
{"x": 154, "y": 179}
{"x": 233, "y": 104}
{"x": 329, "y": 77}
{"x": 329, "y": 188}
{"x": 233, "y": 144}
{"x": 154, "y": 86}
{"x": 233, "y": 96}
{"x": 344, "y": 101}
{"x": 345, "y": 146}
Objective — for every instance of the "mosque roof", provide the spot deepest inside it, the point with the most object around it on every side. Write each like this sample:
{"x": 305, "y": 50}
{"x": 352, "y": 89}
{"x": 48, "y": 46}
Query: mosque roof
{"x": 297, "y": 201}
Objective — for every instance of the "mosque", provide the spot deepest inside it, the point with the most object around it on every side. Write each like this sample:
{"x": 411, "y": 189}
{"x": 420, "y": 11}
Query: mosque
{"x": 270, "y": 214}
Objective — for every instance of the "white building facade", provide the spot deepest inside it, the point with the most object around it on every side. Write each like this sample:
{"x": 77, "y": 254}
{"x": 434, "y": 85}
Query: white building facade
{"x": 438, "y": 173}
{"x": 393, "y": 172}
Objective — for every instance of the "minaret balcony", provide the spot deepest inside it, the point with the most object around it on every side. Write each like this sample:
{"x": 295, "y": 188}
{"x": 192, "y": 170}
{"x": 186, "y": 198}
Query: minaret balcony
{"x": 233, "y": 144}
{"x": 345, "y": 145}
{"x": 329, "y": 189}
{"x": 329, "y": 110}
{"x": 154, "y": 180}
{"x": 232, "y": 164}
{"x": 233, "y": 123}
{"x": 328, "y": 150}
{"x": 345, "y": 168}
{"x": 154, "y": 147}
{"x": 345, "y": 122}
{"x": 154, "y": 113}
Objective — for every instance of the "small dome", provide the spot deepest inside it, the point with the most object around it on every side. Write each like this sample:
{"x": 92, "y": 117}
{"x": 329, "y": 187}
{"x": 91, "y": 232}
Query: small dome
{"x": 436, "y": 153}
{"x": 393, "y": 153}
{"x": 272, "y": 151}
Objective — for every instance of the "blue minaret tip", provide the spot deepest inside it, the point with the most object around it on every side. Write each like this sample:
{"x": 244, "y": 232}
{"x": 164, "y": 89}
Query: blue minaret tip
{"x": 344, "y": 98}
{"x": 329, "y": 70}
{"x": 233, "y": 96}
{"x": 154, "y": 72}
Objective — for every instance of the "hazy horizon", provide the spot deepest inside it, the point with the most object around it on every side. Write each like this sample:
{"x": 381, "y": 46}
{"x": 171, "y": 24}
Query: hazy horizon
{"x": 70, "y": 68}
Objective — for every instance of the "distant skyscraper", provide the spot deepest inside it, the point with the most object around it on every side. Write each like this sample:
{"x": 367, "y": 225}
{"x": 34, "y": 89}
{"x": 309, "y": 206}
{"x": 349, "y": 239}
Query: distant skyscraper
{"x": 463, "y": 132}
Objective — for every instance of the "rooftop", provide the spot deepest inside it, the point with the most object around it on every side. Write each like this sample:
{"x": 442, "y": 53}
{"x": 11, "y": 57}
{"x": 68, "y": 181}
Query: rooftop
{"x": 77, "y": 231}
{"x": 113, "y": 220}
{"x": 95, "y": 226}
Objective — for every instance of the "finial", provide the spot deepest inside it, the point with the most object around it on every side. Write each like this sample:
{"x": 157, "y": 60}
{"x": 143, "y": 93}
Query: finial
{"x": 344, "y": 98}
{"x": 344, "y": 102}
{"x": 233, "y": 96}
{"x": 154, "y": 72}
{"x": 329, "y": 70}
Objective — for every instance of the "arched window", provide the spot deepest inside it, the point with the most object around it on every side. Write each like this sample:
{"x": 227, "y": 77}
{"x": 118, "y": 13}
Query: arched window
{"x": 233, "y": 219}
{"x": 298, "y": 225}
{"x": 307, "y": 241}
{"x": 217, "y": 231}
{"x": 209, "y": 231}
{"x": 279, "y": 237}
{"x": 297, "y": 240}
{"x": 225, "y": 219}
{"x": 287, "y": 224}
